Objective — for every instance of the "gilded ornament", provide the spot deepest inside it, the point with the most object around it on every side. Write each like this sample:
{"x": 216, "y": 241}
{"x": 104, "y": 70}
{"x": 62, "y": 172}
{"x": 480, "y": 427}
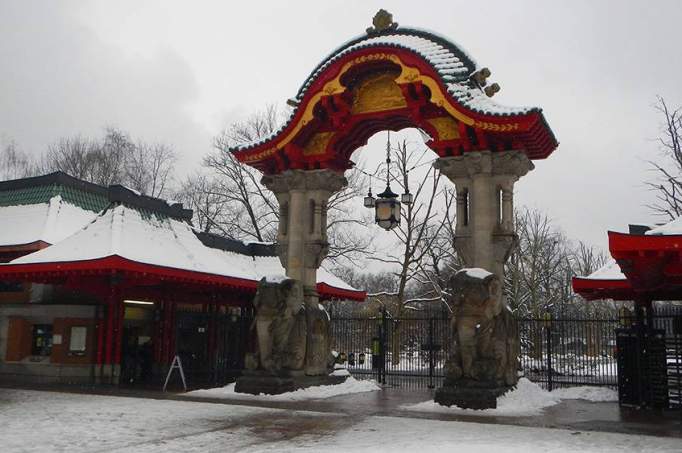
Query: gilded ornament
{"x": 382, "y": 21}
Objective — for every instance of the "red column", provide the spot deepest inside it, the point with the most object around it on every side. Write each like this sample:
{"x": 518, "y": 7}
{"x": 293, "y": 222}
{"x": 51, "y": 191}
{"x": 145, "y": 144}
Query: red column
{"x": 158, "y": 332}
{"x": 101, "y": 320}
{"x": 171, "y": 332}
{"x": 118, "y": 333}
{"x": 108, "y": 353}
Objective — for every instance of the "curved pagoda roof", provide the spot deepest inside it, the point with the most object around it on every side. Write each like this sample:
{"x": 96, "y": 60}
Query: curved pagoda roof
{"x": 143, "y": 239}
{"x": 439, "y": 90}
{"x": 646, "y": 266}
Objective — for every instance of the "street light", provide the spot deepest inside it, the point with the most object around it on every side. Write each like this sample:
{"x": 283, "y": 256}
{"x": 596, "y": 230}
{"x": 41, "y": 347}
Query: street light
{"x": 387, "y": 206}
{"x": 370, "y": 201}
{"x": 387, "y": 213}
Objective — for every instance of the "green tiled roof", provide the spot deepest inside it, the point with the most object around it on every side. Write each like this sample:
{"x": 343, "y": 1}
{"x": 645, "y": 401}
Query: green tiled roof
{"x": 43, "y": 194}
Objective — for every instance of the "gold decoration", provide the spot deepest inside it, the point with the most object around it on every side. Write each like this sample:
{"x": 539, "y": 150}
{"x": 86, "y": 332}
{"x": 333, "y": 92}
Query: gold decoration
{"x": 378, "y": 93}
{"x": 487, "y": 126}
{"x": 382, "y": 21}
{"x": 481, "y": 76}
{"x": 492, "y": 89}
{"x": 408, "y": 74}
{"x": 317, "y": 144}
{"x": 446, "y": 127}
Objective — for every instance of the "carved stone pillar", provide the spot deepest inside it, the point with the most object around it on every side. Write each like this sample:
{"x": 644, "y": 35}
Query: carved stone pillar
{"x": 303, "y": 196}
{"x": 302, "y": 236}
{"x": 484, "y": 355}
{"x": 484, "y": 181}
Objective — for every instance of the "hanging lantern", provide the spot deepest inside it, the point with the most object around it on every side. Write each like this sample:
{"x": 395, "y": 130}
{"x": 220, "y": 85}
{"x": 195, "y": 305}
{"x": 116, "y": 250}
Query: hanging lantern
{"x": 387, "y": 206}
{"x": 387, "y": 213}
{"x": 407, "y": 197}
{"x": 369, "y": 199}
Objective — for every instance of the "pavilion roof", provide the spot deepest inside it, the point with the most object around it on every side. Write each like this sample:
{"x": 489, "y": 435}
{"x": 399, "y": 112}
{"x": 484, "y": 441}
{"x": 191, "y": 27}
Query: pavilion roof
{"x": 43, "y": 210}
{"x": 647, "y": 265}
{"x": 124, "y": 238}
{"x": 46, "y": 209}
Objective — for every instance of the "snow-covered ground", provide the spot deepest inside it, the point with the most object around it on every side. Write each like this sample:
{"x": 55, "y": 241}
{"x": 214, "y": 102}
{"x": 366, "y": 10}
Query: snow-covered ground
{"x": 350, "y": 385}
{"x": 527, "y": 399}
{"x": 33, "y": 421}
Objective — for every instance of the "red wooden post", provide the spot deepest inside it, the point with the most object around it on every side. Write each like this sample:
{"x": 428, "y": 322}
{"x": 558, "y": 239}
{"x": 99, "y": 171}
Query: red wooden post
{"x": 120, "y": 315}
{"x": 167, "y": 318}
{"x": 110, "y": 329}
{"x": 101, "y": 319}
{"x": 158, "y": 332}
{"x": 171, "y": 332}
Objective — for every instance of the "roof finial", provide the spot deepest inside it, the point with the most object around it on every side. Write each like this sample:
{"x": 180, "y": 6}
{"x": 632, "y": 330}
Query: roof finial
{"x": 382, "y": 21}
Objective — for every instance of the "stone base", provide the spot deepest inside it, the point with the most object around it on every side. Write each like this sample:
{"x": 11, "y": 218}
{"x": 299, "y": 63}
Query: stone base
{"x": 256, "y": 384}
{"x": 469, "y": 397}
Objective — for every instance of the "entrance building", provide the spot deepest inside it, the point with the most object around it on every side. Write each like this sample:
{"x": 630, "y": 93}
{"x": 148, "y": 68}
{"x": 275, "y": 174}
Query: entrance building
{"x": 105, "y": 285}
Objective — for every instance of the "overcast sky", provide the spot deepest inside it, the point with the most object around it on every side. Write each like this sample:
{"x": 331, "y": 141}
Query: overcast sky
{"x": 180, "y": 71}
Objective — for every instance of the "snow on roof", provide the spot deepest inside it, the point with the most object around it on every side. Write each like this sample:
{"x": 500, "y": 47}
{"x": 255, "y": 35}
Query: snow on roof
{"x": 48, "y": 222}
{"x": 670, "y": 228}
{"x": 610, "y": 271}
{"x": 159, "y": 240}
{"x": 449, "y": 60}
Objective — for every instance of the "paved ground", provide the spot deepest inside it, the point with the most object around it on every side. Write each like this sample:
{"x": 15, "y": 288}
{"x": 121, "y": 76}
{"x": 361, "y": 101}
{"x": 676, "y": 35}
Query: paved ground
{"x": 38, "y": 421}
{"x": 578, "y": 415}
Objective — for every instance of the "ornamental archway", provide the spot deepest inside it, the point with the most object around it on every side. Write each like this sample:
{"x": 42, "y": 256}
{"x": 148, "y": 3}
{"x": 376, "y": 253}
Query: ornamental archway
{"x": 392, "y": 78}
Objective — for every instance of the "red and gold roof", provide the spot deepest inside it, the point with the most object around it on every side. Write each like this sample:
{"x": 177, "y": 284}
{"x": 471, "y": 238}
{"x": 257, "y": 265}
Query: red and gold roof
{"x": 647, "y": 267}
{"x": 389, "y": 79}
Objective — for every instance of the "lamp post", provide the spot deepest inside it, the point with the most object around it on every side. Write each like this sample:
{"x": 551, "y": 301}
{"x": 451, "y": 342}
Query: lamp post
{"x": 386, "y": 206}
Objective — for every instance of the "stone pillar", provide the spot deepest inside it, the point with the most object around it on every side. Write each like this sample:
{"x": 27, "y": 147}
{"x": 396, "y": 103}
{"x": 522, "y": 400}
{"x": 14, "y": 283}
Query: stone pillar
{"x": 302, "y": 236}
{"x": 484, "y": 357}
{"x": 303, "y": 196}
{"x": 484, "y": 234}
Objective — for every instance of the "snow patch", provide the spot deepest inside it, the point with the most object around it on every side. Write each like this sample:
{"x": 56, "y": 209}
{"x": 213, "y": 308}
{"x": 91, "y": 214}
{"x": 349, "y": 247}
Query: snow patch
{"x": 670, "y": 228}
{"x": 595, "y": 394}
{"x": 476, "y": 272}
{"x": 527, "y": 399}
{"x": 351, "y": 385}
{"x": 610, "y": 271}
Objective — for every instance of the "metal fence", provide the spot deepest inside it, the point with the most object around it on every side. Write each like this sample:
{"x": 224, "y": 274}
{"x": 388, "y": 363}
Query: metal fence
{"x": 668, "y": 320}
{"x": 561, "y": 352}
{"x": 405, "y": 352}
{"x": 569, "y": 351}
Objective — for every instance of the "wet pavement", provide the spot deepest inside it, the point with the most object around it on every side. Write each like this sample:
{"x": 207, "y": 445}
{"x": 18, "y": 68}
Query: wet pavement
{"x": 575, "y": 415}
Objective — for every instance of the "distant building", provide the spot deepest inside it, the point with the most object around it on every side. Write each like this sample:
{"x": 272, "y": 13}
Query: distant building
{"x": 105, "y": 285}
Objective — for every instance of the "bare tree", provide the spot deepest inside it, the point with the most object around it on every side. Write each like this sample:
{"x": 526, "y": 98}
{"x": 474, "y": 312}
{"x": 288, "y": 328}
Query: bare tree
{"x": 149, "y": 168}
{"x": 14, "y": 163}
{"x": 415, "y": 237}
{"x": 201, "y": 193}
{"x": 252, "y": 212}
{"x": 114, "y": 159}
{"x": 668, "y": 184}
{"x": 72, "y": 155}
{"x": 536, "y": 265}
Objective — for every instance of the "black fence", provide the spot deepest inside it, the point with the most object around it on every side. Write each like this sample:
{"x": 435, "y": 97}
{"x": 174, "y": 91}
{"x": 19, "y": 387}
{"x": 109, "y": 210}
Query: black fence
{"x": 668, "y": 321}
{"x": 405, "y": 352}
{"x": 411, "y": 351}
{"x": 569, "y": 351}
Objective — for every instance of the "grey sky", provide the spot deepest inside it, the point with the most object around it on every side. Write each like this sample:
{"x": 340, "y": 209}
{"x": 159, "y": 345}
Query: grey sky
{"x": 179, "y": 71}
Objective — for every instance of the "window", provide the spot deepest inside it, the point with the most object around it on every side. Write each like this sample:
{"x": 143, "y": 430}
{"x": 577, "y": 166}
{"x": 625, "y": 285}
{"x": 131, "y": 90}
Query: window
{"x": 10, "y": 287}
{"x": 77, "y": 339}
{"x": 42, "y": 340}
